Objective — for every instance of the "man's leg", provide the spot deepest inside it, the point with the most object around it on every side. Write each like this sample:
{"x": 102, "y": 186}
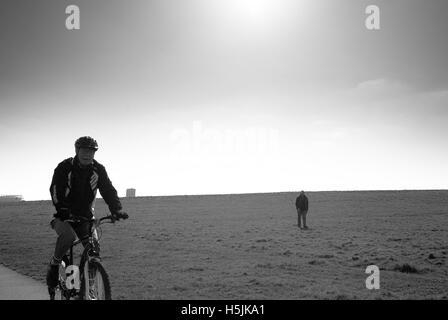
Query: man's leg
{"x": 299, "y": 222}
{"x": 82, "y": 230}
{"x": 304, "y": 219}
{"x": 66, "y": 236}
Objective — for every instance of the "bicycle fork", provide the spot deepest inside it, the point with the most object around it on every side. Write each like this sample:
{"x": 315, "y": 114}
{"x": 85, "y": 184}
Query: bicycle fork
{"x": 89, "y": 271}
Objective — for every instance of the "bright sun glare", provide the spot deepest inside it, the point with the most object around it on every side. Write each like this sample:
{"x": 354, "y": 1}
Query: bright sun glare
{"x": 256, "y": 16}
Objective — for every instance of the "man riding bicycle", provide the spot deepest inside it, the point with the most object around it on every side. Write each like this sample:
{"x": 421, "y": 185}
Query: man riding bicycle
{"x": 73, "y": 192}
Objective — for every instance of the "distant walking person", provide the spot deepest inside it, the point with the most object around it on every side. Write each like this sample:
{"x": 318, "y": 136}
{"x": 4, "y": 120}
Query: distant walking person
{"x": 302, "y": 210}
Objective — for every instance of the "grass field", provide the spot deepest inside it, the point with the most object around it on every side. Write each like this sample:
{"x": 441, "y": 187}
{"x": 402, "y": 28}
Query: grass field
{"x": 249, "y": 247}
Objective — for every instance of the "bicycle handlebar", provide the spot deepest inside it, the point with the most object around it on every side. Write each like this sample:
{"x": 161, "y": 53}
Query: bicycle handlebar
{"x": 111, "y": 219}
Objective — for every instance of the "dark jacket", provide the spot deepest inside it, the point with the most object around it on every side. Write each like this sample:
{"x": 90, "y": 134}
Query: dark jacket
{"x": 73, "y": 189}
{"x": 302, "y": 202}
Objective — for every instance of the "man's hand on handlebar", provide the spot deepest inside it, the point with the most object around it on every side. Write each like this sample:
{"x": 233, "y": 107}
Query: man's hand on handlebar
{"x": 119, "y": 215}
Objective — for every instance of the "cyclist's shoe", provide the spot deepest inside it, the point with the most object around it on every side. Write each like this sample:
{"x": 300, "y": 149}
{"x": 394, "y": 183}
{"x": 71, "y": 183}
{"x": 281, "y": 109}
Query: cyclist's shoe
{"x": 52, "y": 293}
{"x": 52, "y": 275}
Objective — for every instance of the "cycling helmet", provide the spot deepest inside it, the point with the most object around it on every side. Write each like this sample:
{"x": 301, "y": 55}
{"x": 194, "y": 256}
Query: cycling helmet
{"x": 86, "y": 142}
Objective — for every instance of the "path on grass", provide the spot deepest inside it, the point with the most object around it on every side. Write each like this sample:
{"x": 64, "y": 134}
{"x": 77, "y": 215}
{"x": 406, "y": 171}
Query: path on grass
{"x": 16, "y": 286}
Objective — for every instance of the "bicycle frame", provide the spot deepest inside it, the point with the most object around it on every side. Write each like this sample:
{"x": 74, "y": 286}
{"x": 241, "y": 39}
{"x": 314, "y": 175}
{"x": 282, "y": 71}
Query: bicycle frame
{"x": 90, "y": 252}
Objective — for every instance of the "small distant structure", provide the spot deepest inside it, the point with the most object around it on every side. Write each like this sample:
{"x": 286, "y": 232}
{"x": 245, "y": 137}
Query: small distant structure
{"x": 130, "y": 193}
{"x": 11, "y": 198}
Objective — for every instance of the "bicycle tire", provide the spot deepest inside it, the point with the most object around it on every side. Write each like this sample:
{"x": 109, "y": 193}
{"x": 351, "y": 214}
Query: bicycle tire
{"x": 100, "y": 272}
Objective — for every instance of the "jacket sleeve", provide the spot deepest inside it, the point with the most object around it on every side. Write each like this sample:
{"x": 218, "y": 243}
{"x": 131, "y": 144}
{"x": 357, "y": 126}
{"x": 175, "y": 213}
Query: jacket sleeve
{"x": 108, "y": 191}
{"x": 59, "y": 190}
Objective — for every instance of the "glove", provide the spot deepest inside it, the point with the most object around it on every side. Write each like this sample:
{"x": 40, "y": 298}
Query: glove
{"x": 119, "y": 215}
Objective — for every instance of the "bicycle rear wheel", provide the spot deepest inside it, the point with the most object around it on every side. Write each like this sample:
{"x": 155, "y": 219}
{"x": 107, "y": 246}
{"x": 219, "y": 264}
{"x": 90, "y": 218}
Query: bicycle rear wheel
{"x": 95, "y": 283}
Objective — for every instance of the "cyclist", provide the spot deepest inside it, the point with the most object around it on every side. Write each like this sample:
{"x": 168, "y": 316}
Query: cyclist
{"x": 73, "y": 191}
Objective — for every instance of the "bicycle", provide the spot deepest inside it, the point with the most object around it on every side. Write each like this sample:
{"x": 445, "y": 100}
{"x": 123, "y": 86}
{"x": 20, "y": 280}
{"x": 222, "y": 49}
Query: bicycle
{"x": 89, "y": 280}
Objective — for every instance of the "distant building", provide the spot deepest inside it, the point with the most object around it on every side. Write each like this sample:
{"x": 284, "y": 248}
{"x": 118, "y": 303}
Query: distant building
{"x": 130, "y": 193}
{"x": 11, "y": 198}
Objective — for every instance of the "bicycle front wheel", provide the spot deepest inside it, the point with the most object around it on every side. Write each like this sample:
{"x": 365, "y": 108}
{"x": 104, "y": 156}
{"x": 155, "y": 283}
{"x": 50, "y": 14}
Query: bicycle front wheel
{"x": 95, "y": 283}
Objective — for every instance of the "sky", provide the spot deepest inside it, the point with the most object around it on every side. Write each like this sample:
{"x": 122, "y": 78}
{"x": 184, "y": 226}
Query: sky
{"x": 226, "y": 96}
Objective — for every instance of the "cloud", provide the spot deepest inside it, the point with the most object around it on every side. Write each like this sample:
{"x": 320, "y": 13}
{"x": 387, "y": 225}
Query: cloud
{"x": 383, "y": 88}
{"x": 432, "y": 104}
{"x": 441, "y": 95}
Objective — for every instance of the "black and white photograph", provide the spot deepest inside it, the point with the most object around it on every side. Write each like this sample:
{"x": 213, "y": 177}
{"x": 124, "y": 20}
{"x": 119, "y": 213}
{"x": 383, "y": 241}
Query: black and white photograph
{"x": 223, "y": 150}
